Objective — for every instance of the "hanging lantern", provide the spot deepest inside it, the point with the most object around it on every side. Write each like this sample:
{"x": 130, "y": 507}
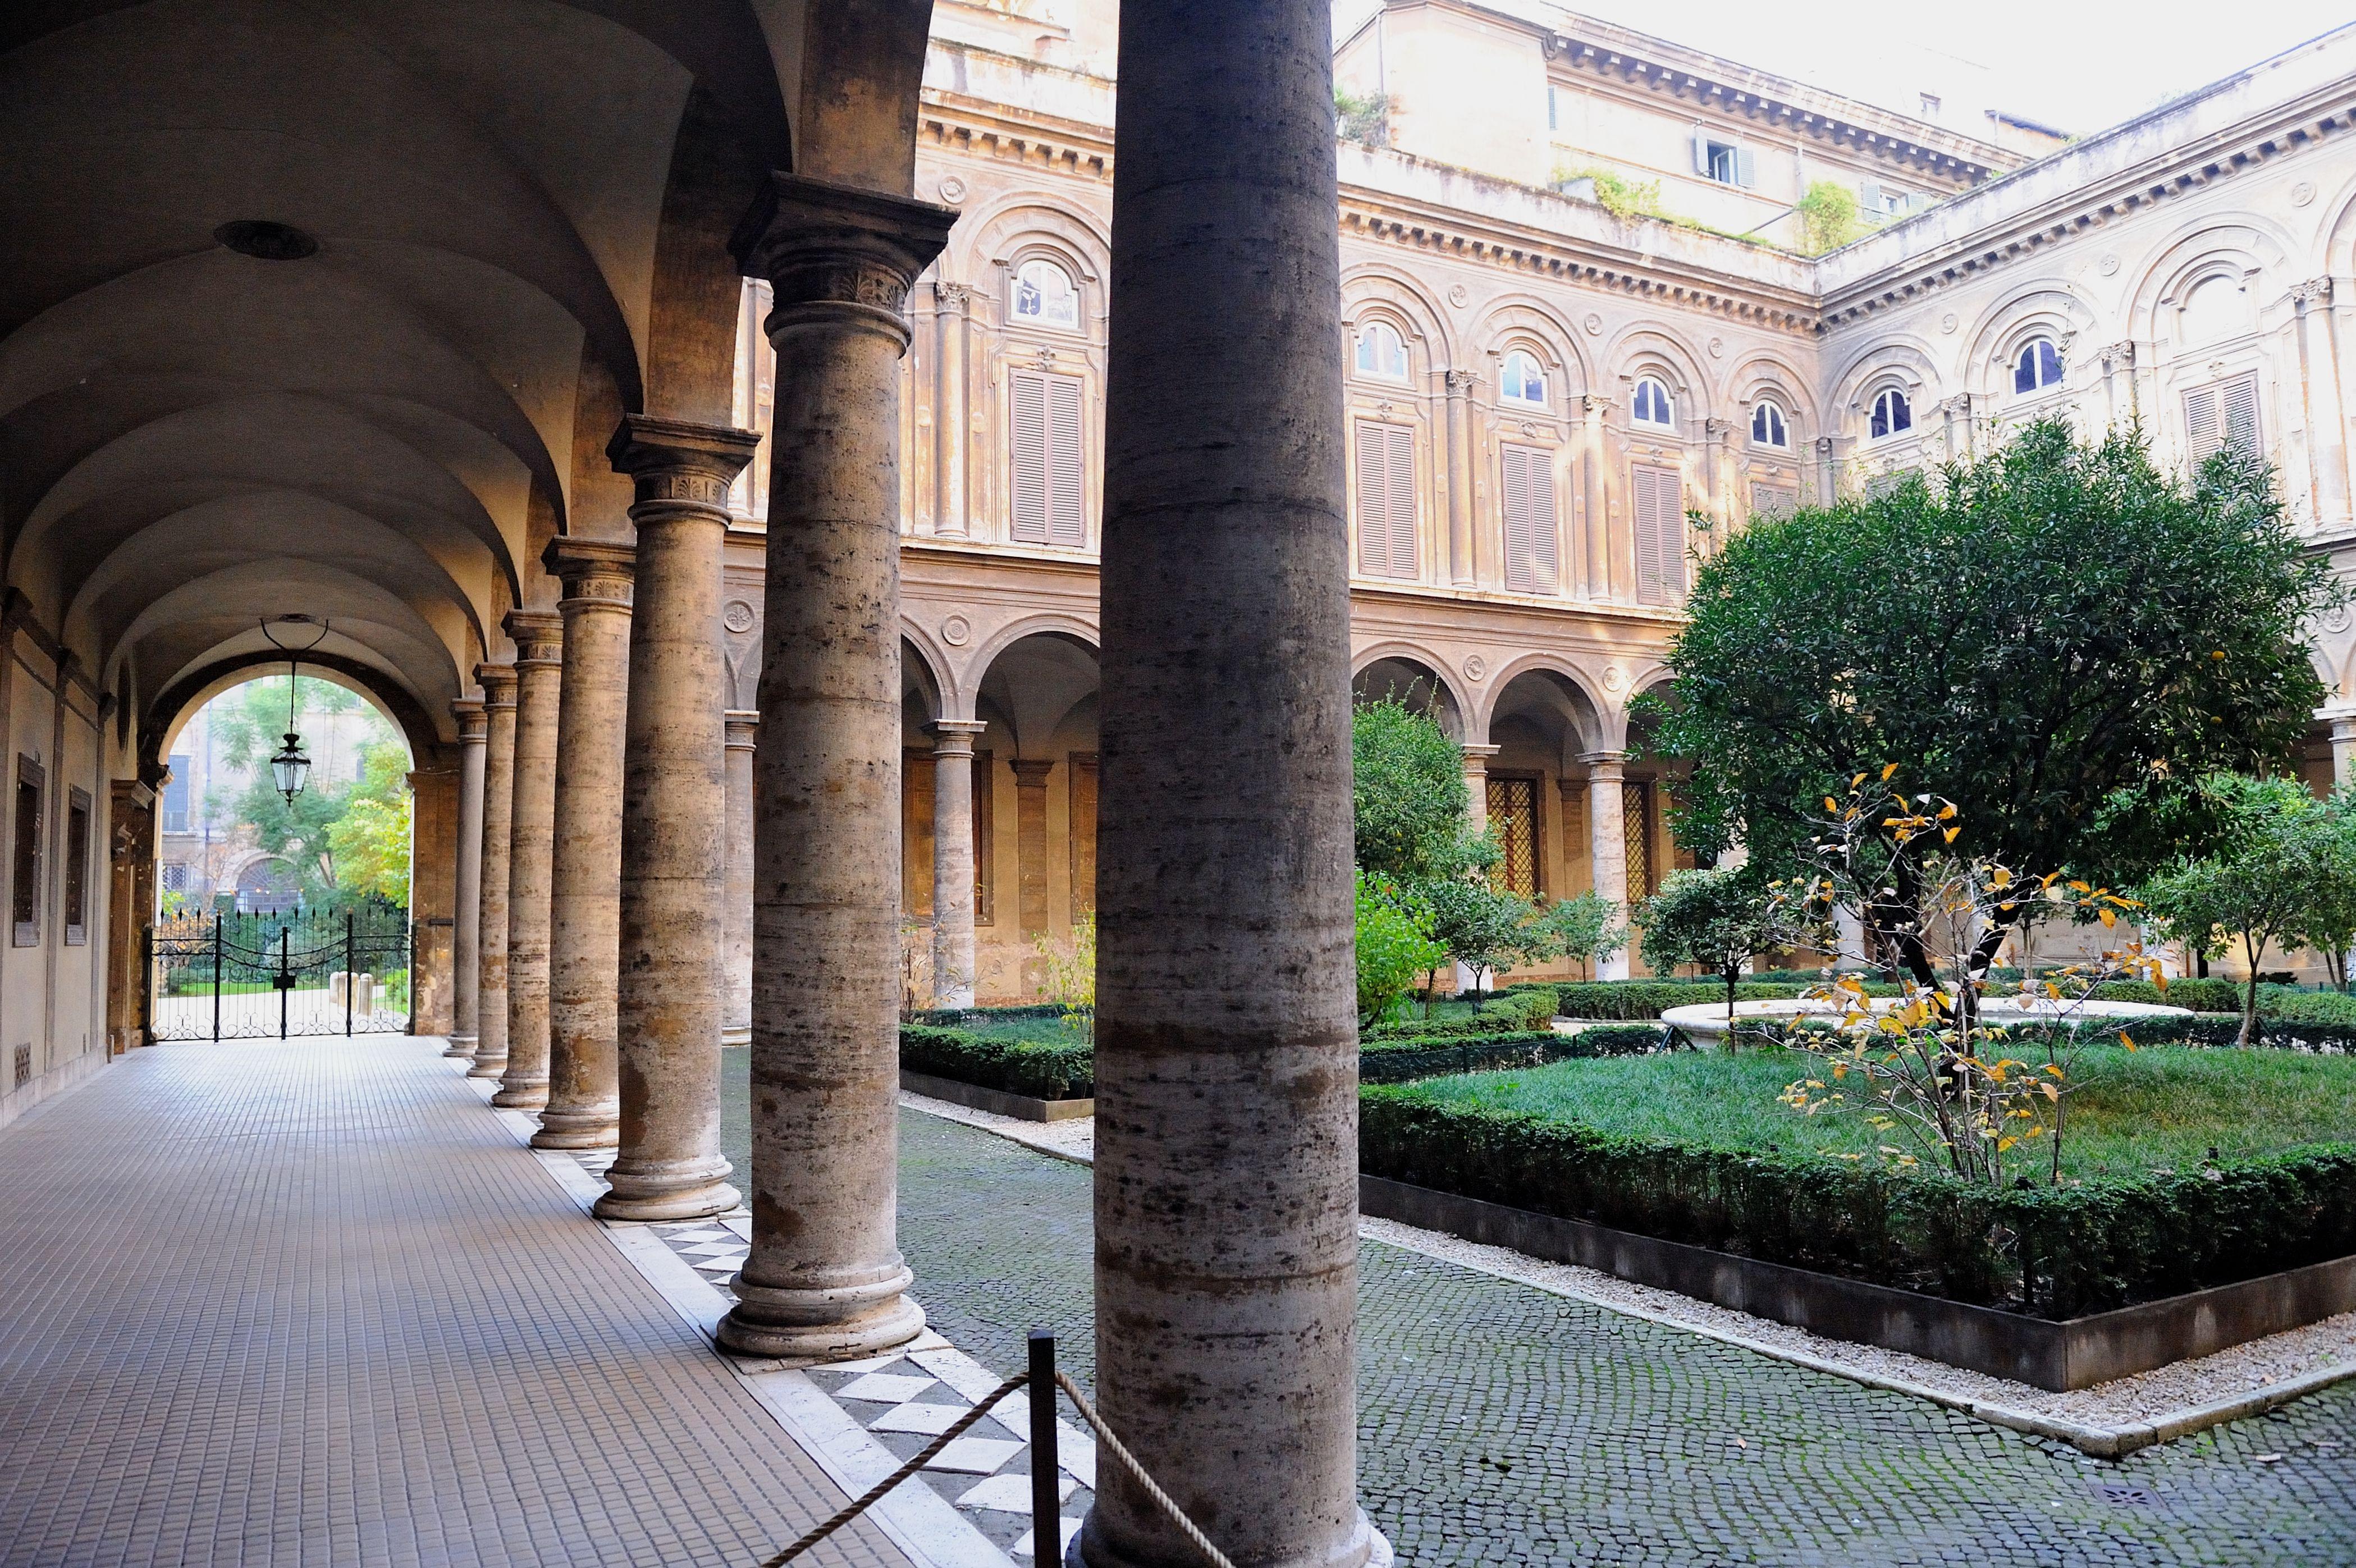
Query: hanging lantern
{"x": 290, "y": 767}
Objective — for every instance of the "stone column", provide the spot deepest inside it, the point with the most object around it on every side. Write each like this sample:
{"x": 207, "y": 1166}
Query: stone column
{"x": 1827, "y": 469}
{"x": 1226, "y": 1030}
{"x": 1476, "y": 784}
{"x": 2118, "y": 383}
{"x": 499, "y": 684}
{"x": 951, "y": 426}
{"x": 432, "y": 920}
{"x": 674, "y": 806}
{"x": 1031, "y": 842}
{"x": 2343, "y": 749}
{"x": 2326, "y": 415}
{"x": 1596, "y": 568}
{"x": 737, "y": 930}
{"x": 465, "y": 941}
{"x": 825, "y": 1279}
{"x": 953, "y": 871}
{"x": 538, "y": 637}
{"x": 1606, "y": 841}
{"x": 1463, "y": 569}
{"x": 583, "y": 1108}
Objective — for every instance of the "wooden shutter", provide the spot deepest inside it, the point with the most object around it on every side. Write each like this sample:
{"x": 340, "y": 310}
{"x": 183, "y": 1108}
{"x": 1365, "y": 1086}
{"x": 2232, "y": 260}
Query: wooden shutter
{"x": 1387, "y": 511}
{"x": 1027, "y": 393}
{"x": 1701, "y": 152}
{"x": 1659, "y": 497}
{"x": 1774, "y": 500}
{"x": 1746, "y": 169}
{"x": 1531, "y": 527}
{"x": 1066, "y": 508}
{"x": 2237, "y": 411}
{"x": 1049, "y": 489}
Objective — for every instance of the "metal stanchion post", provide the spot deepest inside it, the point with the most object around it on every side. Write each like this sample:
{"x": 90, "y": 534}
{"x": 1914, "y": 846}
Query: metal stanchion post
{"x": 1046, "y": 1492}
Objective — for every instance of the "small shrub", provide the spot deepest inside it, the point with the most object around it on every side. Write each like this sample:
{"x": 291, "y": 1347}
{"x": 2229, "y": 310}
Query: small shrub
{"x": 1618, "y": 194}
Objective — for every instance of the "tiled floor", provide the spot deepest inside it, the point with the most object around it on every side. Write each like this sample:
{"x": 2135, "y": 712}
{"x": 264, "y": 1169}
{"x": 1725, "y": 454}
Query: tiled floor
{"x": 309, "y": 1303}
{"x": 906, "y": 1400}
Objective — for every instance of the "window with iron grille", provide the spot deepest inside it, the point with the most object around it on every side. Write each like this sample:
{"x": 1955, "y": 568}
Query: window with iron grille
{"x": 25, "y": 872}
{"x": 1513, "y": 818}
{"x": 76, "y": 890}
{"x": 1636, "y": 836}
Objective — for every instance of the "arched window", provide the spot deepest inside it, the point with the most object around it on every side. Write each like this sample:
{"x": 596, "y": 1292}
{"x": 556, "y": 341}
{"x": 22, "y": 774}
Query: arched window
{"x": 1380, "y": 352}
{"x": 1043, "y": 293}
{"x": 1767, "y": 427}
{"x": 2040, "y": 366}
{"x": 1521, "y": 381}
{"x": 1891, "y": 414}
{"x": 1652, "y": 405}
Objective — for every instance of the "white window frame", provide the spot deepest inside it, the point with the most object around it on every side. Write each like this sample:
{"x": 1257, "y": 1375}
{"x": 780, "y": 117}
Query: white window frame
{"x": 1765, "y": 408}
{"x": 1360, "y": 358}
{"x": 1874, "y": 411}
{"x": 1661, "y": 395}
{"x": 1015, "y": 286}
{"x": 2037, "y": 384}
{"x": 1506, "y": 391}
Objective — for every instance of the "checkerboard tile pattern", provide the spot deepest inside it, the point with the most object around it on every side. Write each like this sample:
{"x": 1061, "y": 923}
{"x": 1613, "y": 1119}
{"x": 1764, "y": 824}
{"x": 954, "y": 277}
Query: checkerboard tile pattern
{"x": 906, "y": 1398}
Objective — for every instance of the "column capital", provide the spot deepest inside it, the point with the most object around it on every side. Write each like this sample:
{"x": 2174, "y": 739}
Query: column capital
{"x": 1604, "y": 766}
{"x": 473, "y": 724}
{"x": 2121, "y": 353}
{"x": 538, "y": 637}
{"x": 1461, "y": 383}
{"x": 680, "y": 468}
{"x": 954, "y": 298}
{"x": 2314, "y": 291}
{"x": 597, "y": 573}
{"x": 741, "y": 725}
{"x": 499, "y": 684}
{"x": 955, "y": 737}
{"x": 837, "y": 255}
{"x": 1716, "y": 429}
{"x": 1476, "y": 758}
{"x": 1031, "y": 769}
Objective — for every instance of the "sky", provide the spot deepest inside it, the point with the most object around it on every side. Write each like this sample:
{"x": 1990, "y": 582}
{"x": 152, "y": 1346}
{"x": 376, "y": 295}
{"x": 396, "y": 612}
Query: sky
{"x": 2075, "y": 66}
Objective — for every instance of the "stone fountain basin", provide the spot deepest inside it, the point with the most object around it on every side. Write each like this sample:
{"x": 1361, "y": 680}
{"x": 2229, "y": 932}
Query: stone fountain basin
{"x": 1704, "y": 1023}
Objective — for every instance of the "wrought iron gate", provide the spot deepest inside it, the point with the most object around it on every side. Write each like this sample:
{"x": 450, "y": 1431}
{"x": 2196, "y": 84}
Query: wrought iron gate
{"x": 246, "y": 977}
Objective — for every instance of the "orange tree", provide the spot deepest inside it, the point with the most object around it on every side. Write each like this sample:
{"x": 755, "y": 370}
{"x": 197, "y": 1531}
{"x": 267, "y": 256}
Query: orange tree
{"x": 2057, "y": 636}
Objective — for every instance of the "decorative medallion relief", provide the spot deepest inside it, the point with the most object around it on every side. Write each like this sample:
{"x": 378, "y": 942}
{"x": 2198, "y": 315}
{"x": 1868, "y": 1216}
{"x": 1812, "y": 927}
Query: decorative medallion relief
{"x": 1718, "y": 347}
{"x": 951, "y": 189}
{"x": 2334, "y": 620}
{"x": 2109, "y": 264}
{"x": 1614, "y": 678}
{"x": 2302, "y": 193}
{"x": 956, "y": 631}
{"x": 737, "y": 616}
{"x": 1594, "y": 324}
{"x": 1948, "y": 323}
{"x": 1458, "y": 293}
{"x": 1475, "y": 668}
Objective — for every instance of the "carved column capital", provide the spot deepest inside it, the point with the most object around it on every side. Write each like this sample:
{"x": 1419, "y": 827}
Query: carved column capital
{"x": 2120, "y": 356}
{"x": 499, "y": 684}
{"x": 1460, "y": 384}
{"x": 1605, "y": 767}
{"x": 741, "y": 726}
{"x": 473, "y": 724}
{"x": 837, "y": 257}
{"x": 2314, "y": 291}
{"x": 679, "y": 467}
{"x": 957, "y": 298}
{"x": 955, "y": 737}
{"x": 597, "y": 573}
{"x": 1716, "y": 429}
{"x": 538, "y": 637}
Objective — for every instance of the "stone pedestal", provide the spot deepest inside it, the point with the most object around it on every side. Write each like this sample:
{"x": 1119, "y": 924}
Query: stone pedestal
{"x": 673, "y": 870}
{"x": 466, "y": 942}
{"x": 1607, "y": 838}
{"x": 498, "y": 683}
{"x": 1227, "y": 1027}
{"x": 538, "y": 637}
{"x": 737, "y": 930}
{"x": 583, "y": 1108}
{"x": 953, "y": 868}
{"x": 825, "y": 1277}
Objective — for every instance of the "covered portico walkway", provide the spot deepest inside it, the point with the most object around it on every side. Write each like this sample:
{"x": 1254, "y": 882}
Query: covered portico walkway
{"x": 271, "y": 1304}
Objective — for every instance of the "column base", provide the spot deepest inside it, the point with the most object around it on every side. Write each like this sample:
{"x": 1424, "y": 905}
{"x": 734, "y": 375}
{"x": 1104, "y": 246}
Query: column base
{"x": 583, "y": 1127}
{"x": 461, "y": 1047}
{"x": 810, "y": 1326}
{"x": 520, "y": 1093}
{"x": 490, "y": 1067}
{"x": 667, "y": 1190}
{"x": 1366, "y": 1548}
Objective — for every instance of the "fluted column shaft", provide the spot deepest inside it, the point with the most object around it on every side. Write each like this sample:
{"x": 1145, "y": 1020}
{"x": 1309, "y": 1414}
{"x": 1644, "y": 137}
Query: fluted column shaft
{"x": 2327, "y": 416}
{"x": 667, "y": 1019}
{"x": 743, "y": 726}
{"x": 1607, "y": 842}
{"x": 583, "y": 1107}
{"x": 1463, "y": 569}
{"x": 1226, "y": 1027}
{"x": 953, "y": 868}
{"x": 498, "y": 683}
{"x": 465, "y": 938}
{"x": 538, "y": 637}
{"x": 825, "y": 1277}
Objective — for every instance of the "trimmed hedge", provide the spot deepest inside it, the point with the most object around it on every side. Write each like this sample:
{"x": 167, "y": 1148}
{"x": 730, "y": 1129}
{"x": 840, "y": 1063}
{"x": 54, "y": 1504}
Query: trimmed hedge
{"x": 2054, "y": 1252}
{"x": 955, "y": 1017}
{"x": 1065, "y": 1069}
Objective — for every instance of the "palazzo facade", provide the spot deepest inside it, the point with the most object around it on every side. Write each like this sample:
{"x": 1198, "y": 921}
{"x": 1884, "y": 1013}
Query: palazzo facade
{"x": 1553, "y": 411}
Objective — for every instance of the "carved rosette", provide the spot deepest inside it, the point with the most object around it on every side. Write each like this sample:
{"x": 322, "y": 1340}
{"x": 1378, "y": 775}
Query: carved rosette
{"x": 597, "y": 573}
{"x": 838, "y": 259}
{"x": 679, "y": 470}
{"x": 539, "y": 637}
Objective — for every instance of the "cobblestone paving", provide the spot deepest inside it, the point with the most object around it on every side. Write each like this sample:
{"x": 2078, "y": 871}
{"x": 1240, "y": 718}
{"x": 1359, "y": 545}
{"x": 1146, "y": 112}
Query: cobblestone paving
{"x": 1499, "y": 1424}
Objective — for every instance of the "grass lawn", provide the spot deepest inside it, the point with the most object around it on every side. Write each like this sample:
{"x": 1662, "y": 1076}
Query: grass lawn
{"x": 2162, "y": 1107}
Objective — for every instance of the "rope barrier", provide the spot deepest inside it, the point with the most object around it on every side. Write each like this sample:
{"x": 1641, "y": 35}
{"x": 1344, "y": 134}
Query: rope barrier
{"x": 875, "y": 1493}
{"x": 1041, "y": 1554}
{"x": 1217, "y": 1558}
